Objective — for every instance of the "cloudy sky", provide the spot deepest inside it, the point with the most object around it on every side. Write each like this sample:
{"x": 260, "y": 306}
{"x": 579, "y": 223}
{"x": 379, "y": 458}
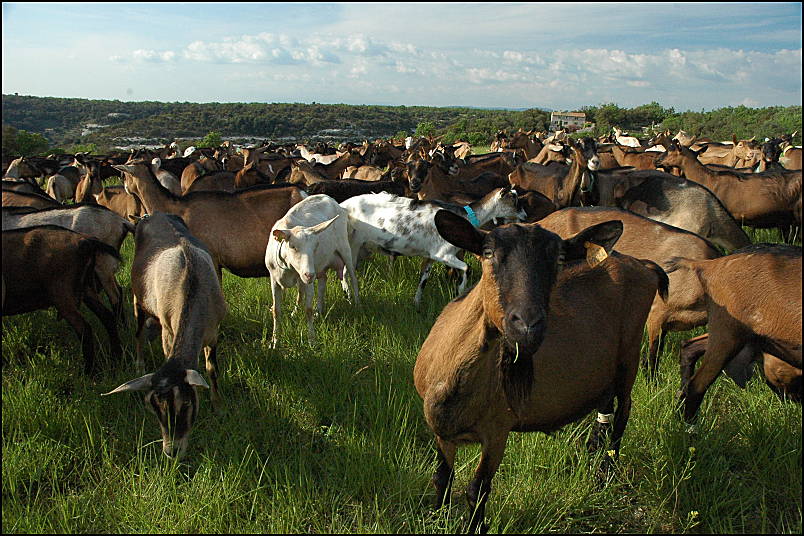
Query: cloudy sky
{"x": 516, "y": 55}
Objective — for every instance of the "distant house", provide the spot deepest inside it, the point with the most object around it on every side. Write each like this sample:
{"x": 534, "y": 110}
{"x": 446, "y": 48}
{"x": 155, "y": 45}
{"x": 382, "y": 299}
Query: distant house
{"x": 560, "y": 120}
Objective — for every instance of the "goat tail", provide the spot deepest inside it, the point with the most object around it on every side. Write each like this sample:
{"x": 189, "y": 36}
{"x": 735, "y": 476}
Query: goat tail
{"x": 663, "y": 280}
{"x": 86, "y": 278}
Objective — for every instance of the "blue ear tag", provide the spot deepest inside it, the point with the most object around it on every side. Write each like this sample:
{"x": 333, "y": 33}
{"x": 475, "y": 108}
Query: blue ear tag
{"x": 472, "y": 216}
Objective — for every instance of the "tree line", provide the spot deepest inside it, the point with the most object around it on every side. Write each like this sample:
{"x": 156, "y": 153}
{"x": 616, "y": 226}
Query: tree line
{"x": 37, "y": 125}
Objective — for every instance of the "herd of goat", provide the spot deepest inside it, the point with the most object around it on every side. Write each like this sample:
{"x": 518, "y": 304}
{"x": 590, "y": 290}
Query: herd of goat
{"x": 582, "y": 243}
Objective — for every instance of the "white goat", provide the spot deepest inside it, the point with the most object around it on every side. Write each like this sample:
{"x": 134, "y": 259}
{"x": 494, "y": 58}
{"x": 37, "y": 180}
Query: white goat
{"x": 309, "y": 240}
{"x": 404, "y": 226}
{"x": 166, "y": 178}
{"x": 628, "y": 141}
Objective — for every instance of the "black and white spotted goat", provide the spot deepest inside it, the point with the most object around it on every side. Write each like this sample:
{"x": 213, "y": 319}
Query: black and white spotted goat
{"x": 403, "y": 226}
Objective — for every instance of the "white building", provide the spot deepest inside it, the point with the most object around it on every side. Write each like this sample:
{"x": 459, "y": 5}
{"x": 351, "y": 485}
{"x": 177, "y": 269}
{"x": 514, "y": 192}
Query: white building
{"x": 560, "y": 120}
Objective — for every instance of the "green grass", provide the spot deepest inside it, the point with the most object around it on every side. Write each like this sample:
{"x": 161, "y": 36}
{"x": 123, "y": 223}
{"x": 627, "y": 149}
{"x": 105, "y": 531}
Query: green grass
{"x": 332, "y": 438}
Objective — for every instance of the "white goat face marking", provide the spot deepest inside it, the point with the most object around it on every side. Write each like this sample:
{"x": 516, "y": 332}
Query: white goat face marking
{"x": 593, "y": 164}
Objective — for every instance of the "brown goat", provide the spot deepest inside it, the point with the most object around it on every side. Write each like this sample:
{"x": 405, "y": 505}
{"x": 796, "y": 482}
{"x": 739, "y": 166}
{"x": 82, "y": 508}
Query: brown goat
{"x": 753, "y": 297}
{"x": 116, "y": 199}
{"x": 193, "y": 170}
{"x": 516, "y": 353}
{"x": 560, "y": 183}
{"x": 175, "y": 285}
{"x": 643, "y": 238}
{"x": 304, "y": 174}
{"x": 791, "y": 158}
{"x": 768, "y": 199}
{"x": 684, "y": 204}
{"x": 783, "y": 379}
{"x": 50, "y": 266}
{"x": 636, "y": 158}
{"x": 14, "y": 198}
{"x": 91, "y": 220}
{"x": 234, "y": 226}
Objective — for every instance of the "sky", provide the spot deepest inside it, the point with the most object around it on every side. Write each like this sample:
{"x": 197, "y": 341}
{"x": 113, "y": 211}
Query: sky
{"x": 689, "y": 56}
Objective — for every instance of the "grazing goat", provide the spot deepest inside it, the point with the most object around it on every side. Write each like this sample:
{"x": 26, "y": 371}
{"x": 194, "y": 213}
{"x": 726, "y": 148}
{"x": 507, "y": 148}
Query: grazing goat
{"x": 783, "y": 379}
{"x": 50, "y": 266}
{"x": 404, "y": 226}
{"x": 309, "y": 240}
{"x": 517, "y": 353}
{"x": 753, "y": 296}
{"x": 175, "y": 285}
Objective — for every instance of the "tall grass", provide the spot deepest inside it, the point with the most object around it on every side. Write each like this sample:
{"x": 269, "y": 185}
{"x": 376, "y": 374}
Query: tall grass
{"x": 331, "y": 438}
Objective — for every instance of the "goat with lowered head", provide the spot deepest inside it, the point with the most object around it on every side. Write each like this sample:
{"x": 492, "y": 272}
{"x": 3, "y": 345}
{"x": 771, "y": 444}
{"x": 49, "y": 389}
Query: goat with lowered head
{"x": 175, "y": 285}
{"x": 516, "y": 352}
{"x": 783, "y": 379}
{"x": 309, "y": 240}
{"x": 753, "y": 297}
{"x": 404, "y": 226}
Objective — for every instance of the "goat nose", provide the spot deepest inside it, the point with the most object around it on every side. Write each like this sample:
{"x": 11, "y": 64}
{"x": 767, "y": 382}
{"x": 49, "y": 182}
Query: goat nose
{"x": 528, "y": 325}
{"x": 308, "y": 277}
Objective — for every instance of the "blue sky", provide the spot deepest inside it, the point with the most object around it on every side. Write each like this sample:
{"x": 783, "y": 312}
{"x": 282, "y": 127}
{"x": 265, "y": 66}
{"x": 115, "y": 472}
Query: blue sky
{"x": 558, "y": 56}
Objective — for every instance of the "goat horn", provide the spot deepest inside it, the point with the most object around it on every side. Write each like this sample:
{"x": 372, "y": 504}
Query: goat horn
{"x": 139, "y": 384}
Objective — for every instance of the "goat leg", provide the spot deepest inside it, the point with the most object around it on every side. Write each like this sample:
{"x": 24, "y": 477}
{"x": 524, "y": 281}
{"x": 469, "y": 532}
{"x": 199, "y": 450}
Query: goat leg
{"x": 427, "y": 265}
{"x": 602, "y": 426}
{"x": 322, "y": 291}
{"x": 211, "y": 355}
{"x": 276, "y": 308}
{"x": 69, "y": 311}
{"x": 721, "y": 348}
{"x": 308, "y": 311}
{"x": 477, "y": 493}
{"x": 445, "y": 473}
{"x": 109, "y": 322}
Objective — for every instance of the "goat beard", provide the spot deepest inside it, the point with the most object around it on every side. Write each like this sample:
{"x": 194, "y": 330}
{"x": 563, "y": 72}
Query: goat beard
{"x": 516, "y": 367}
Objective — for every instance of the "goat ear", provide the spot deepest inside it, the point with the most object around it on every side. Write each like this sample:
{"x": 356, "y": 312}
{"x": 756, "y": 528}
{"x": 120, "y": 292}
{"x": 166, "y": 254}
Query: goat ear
{"x": 280, "y": 234}
{"x": 603, "y": 234}
{"x": 701, "y": 150}
{"x": 315, "y": 229}
{"x": 734, "y": 139}
{"x": 459, "y": 232}
{"x": 143, "y": 383}
{"x": 192, "y": 377}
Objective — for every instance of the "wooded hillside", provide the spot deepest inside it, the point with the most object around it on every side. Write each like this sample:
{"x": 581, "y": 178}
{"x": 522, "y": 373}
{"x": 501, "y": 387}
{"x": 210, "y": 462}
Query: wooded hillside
{"x": 65, "y": 123}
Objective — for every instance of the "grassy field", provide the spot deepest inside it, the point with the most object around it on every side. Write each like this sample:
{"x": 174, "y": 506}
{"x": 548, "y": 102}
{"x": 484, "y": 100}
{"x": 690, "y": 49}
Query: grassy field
{"x": 332, "y": 439}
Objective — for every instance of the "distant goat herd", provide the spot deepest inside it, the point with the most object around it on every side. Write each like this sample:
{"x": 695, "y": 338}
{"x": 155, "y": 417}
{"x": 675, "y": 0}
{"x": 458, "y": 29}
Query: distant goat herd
{"x": 583, "y": 244}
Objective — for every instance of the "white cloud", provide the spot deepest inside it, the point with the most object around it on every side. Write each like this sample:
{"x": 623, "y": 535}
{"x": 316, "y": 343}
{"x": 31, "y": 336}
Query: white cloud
{"x": 550, "y": 78}
{"x": 153, "y": 56}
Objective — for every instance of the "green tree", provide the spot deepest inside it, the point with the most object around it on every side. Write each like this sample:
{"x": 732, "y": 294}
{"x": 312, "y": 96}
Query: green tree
{"x": 91, "y": 148}
{"x": 212, "y": 139}
{"x": 31, "y": 143}
{"x": 425, "y": 128}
